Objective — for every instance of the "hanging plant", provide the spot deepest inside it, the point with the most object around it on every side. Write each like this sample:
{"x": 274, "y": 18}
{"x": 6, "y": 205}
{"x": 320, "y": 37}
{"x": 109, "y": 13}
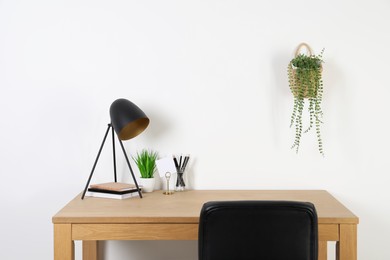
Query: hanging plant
{"x": 305, "y": 80}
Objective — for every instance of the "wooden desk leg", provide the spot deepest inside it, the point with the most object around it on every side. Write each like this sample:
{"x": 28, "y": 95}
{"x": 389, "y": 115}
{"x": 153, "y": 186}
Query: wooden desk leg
{"x": 63, "y": 244}
{"x": 322, "y": 250}
{"x": 346, "y": 247}
{"x": 90, "y": 250}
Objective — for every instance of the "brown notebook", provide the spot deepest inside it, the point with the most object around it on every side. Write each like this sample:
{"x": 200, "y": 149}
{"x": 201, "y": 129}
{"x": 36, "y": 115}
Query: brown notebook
{"x": 113, "y": 186}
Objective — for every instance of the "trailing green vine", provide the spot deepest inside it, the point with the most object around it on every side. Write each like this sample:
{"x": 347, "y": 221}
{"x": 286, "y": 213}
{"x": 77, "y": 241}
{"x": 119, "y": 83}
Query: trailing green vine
{"x": 305, "y": 81}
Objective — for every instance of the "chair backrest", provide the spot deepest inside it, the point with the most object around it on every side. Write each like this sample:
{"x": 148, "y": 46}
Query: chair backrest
{"x": 258, "y": 230}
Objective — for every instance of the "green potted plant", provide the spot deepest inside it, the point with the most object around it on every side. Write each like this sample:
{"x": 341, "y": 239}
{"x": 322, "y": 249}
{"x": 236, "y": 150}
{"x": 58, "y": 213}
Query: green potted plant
{"x": 305, "y": 81}
{"x": 146, "y": 162}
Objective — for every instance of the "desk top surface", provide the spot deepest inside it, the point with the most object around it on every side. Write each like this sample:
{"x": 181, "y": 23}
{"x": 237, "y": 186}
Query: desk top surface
{"x": 184, "y": 207}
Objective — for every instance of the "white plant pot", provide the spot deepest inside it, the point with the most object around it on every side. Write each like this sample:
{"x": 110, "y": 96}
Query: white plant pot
{"x": 147, "y": 184}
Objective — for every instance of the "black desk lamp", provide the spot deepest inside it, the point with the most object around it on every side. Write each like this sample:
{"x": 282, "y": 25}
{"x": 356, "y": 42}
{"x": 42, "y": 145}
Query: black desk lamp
{"x": 128, "y": 121}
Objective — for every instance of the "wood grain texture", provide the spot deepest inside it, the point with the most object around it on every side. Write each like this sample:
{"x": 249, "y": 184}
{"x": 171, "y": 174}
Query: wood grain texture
{"x": 90, "y": 250}
{"x": 347, "y": 246}
{"x": 135, "y": 231}
{"x": 328, "y": 232}
{"x": 176, "y": 217}
{"x": 63, "y": 244}
{"x": 322, "y": 250}
{"x": 184, "y": 207}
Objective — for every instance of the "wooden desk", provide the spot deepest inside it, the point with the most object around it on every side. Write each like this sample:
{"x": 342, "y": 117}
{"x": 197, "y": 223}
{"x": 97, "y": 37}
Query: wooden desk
{"x": 176, "y": 217}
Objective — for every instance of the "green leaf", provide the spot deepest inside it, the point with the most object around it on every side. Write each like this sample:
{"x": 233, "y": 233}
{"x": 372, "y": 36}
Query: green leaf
{"x": 146, "y": 163}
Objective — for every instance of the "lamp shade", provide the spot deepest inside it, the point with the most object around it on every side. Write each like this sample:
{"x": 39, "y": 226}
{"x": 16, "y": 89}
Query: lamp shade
{"x": 127, "y": 119}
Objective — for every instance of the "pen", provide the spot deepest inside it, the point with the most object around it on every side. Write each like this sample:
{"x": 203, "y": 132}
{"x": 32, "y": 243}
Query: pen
{"x": 176, "y": 165}
{"x": 186, "y": 159}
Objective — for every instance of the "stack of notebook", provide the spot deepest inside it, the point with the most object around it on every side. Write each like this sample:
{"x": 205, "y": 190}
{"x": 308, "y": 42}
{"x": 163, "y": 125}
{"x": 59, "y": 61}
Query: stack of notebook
{"x": 113, "y": 190}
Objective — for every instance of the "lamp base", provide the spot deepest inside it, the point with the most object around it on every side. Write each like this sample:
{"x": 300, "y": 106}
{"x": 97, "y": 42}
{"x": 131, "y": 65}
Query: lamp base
{"x": 97, "y": 159}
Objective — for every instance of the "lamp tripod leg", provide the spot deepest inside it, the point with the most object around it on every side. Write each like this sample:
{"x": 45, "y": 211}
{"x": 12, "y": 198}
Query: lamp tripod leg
{"x": 131, "y": 170}
{"x": 113, "y": 153}
{"x": 97, "y": 158}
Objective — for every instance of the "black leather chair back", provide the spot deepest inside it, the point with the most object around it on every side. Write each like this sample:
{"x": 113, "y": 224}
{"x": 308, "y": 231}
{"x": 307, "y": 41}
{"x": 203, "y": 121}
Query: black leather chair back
{"x": 258, "y": 230}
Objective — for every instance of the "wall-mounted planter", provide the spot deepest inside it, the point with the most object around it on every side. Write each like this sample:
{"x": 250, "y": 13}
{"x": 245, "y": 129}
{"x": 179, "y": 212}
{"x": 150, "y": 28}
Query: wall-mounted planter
{"x": 305, "y": 81}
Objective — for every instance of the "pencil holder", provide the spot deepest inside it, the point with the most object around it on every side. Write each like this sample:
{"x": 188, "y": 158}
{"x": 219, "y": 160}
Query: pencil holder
{"x": 180, "y": 165}
{"x": 180, "y": 184}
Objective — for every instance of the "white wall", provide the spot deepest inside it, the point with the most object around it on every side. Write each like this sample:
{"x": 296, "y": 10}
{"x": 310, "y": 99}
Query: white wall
{"x": 211, "y": 75}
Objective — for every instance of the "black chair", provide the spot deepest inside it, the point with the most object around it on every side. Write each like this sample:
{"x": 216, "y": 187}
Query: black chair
{"x": 258, "y": 230}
